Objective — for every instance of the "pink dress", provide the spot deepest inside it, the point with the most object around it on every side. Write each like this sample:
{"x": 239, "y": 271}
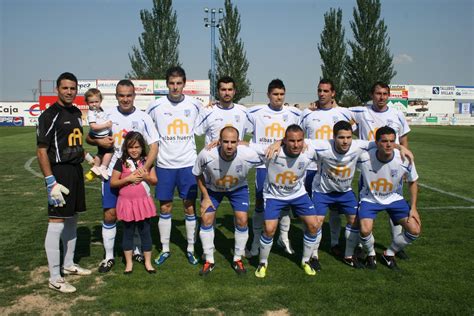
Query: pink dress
{"x": 134, "y": 202}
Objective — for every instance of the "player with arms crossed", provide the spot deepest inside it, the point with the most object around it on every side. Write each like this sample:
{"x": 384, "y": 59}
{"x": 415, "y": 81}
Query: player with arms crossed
{"x": 175, "y": 118}
{"x": 382, "y": 177}
{"x": 284, "y": 188}
{"x": 268, "y": 123}
{"x": 371, "y": 117}
{"x": 60, "y": 153}
{"x": 222, "y": 172}
{"x": 125, "y": 118}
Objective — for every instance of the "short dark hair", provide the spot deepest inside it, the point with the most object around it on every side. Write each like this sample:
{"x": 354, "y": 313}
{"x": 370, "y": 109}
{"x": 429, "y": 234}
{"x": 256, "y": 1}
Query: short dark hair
{"x": 232, "y": 128}
{"x": 65, "y": 76}
{"x": 125, "y": 82}
{"x": 341, "y": 126}
{"x": 276, "y": 84}
{"x": 381, "y": 85}
{"x": 226, "y": 79}
{"x": 327, "y": 81}
{"x": 175, "y": 71}
{"x": 293, "y": 128}
{"x": 384, "y": 130}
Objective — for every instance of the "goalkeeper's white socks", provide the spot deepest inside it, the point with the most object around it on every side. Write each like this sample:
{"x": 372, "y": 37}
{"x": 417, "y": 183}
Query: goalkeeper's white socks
{"x": 69, "y": 238}
{"x": 51, "y": 245}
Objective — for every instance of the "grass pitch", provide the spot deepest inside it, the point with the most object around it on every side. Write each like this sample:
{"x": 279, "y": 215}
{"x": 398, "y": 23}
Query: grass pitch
{"x": 437, "y": 279}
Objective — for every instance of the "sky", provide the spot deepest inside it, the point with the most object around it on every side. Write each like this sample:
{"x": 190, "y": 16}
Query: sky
{"x": 432, "y": 41}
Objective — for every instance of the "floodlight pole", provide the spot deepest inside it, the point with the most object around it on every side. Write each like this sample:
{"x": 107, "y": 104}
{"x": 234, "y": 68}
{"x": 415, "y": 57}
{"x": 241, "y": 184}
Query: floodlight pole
{"x": 213, "y": 23}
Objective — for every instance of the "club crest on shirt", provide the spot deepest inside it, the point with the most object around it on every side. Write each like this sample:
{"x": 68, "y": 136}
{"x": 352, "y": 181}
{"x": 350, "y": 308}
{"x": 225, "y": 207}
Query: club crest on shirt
{"x": 335, "y": 119}
{"x": 300, "y": 165}
{"x": 134, "y": 125}
{"x": 393, "y": 173}
{"x": 238, "y": 168}
{"x": 187, "y": 113}
{"x": 285, "y": 117}
{"x": 237, "y": 118}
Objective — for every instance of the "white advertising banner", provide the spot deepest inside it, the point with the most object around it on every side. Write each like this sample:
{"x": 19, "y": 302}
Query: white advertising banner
{"x": 107, "y": 86}
{"x": 84, "y": 85}
{"x": 464, "y": 93}
{"x": 431, "y": 92}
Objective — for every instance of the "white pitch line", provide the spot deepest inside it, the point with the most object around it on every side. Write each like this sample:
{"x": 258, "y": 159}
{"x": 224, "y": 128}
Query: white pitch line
{"x": 39, "y": 175}
{"x": 446, "y": 207}
{"x": 446, "y": 192}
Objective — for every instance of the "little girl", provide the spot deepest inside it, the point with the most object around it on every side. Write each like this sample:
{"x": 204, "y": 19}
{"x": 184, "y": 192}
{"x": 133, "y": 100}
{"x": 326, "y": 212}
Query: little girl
{"x": 135, "y": 206}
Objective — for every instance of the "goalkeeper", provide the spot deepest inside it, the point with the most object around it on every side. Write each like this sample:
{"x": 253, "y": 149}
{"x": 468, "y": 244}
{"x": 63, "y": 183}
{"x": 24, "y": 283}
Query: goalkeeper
{"x": 60, "y": 153}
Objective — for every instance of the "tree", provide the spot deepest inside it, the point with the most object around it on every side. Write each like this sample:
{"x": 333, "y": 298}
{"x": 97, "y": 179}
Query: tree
{"x": 231, "y": 59}
{"x": 158, "y": 43}
{"x": 333, "y": 50}
{"x": 371, "y": 60}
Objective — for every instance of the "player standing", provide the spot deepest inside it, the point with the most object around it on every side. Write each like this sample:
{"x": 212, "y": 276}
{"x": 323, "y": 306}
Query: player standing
{"x": 268, "y": 123}
{"x": 175, "y": 118}
{"x": 125, "y": 118}
{"x": 60, "y": 153}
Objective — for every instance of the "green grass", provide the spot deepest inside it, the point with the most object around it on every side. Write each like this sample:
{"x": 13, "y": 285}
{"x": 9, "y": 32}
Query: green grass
{"x": 437, "y": 279}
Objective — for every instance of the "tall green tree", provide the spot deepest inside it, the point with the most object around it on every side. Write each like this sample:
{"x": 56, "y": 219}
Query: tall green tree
{"x": 158, "y": 43}
{"x": 332, "y": 50}
{"x": 371, "y": 60}
{"x": 231, "y": 59}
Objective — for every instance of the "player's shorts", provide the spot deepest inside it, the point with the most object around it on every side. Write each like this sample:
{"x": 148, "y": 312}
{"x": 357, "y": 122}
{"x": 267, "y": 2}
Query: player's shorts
{"x": 239, "y": 199}
{"x": 109, "y": 195}
{"x": 301, "y": 206}
{"x": 343, "y": 201}
{"x": 72, "y": 177}
{"x": 396, "y": 210}
{"x": 168, "y": 179}
{"x": 260, "y": 175}
{"x": 308, "y": 181}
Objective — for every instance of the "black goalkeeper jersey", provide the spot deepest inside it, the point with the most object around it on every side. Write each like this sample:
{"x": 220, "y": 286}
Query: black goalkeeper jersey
{"x": 60, "y": 128}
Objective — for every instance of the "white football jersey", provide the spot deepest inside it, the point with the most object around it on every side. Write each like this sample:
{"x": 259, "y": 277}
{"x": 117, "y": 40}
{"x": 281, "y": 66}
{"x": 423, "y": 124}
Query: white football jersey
{"x": 175, "y": 123}
{"x": 221, "y": 175}
{"x": 318, "y": 124}
{"x": 369, "y": 120}
{"x": 285, "y": 175}
{"x": 122, "y": 123}
{"x": 268, "y": 125}
{"x": 212, "y": 120}
{"x": 383, "y": 181}
{"x": 336, "y": 170}
{"x": 98, "y": 117}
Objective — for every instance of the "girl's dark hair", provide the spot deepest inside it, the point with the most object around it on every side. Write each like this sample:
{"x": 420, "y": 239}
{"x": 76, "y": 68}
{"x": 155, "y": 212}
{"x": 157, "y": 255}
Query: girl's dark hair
{"x": 131, "y": 138}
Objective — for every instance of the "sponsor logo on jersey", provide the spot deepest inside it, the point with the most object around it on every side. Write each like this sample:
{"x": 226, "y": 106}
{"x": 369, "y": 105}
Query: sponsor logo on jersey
{"x": 284, "y": 177}
{"x": 227, "y": 181}
{"x": 178, "y": 127}
{"x": 325, "y": 132}
{"x": 75, "y": 138}
{"x": 381, "y": 185}
{"x": 119, "y": 137}
{"x": 341, "y": 171}
{"x": 274, "y": 130}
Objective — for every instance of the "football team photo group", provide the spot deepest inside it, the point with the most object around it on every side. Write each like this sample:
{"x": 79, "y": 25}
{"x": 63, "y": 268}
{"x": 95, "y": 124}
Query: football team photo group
{"x": 324, "y": 166}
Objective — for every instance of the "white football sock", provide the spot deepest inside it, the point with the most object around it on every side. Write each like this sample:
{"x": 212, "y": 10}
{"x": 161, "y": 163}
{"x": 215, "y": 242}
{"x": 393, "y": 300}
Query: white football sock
{"x": 51, "y": 245}
{"x": 319, "y": 235}
{"x": 395, "y": 230}
{"x": 69, "y": 238}
{"x": 190, "y": 231}
{"x": 352, "y": 239}
{"x": 206, "y": 233}
{"x": 400, "y": 242}
{"x": 368, "y": 244}
{"x": 164, "y": 227}
{"x": 266, "y": 244}
{"x": 308, "y": 245}
{"x": 285, "y": 222}
{"x": 241, "y": 235}
{"x": 109, "y": 230}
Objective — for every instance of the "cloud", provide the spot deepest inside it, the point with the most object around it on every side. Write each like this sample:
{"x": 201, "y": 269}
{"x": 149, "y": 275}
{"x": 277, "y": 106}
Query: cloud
{"x": 401, "y": 59}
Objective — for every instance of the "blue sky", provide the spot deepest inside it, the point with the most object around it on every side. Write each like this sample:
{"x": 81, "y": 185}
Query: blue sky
{"x": 432, "y": 41}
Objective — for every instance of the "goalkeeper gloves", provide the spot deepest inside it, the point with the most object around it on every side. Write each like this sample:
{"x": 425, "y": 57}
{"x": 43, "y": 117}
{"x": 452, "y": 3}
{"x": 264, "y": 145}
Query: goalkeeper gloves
{"x": 55, "y": 192}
